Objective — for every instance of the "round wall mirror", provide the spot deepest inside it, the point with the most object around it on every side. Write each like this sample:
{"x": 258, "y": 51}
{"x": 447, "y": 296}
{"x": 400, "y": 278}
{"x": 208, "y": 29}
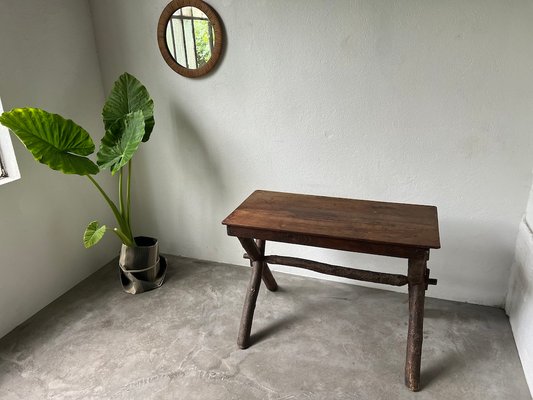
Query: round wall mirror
{"x": 190, "y": 38}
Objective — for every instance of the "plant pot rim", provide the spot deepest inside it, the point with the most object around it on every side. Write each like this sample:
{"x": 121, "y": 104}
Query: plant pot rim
{"x": 145, "y": 241}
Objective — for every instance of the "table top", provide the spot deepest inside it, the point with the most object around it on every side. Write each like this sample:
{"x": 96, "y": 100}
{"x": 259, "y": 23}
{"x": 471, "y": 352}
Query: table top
{"x": 328, "y": 218}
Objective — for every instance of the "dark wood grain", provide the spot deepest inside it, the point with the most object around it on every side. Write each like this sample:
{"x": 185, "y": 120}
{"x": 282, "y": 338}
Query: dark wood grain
{"x": 390, "y": 229}
{"x": 337, "y": 219}
{"x": 329, "y": 243}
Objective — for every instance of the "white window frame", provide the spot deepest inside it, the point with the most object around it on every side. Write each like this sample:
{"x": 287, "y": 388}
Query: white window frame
{"x": 9, "y": 170}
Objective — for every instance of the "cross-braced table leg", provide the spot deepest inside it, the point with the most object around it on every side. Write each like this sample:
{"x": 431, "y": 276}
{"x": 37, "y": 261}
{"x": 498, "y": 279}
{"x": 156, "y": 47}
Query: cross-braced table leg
{"x": 259, "y": 270}
{"x": 268, "y": 278}
{"x": 417, "y": 287}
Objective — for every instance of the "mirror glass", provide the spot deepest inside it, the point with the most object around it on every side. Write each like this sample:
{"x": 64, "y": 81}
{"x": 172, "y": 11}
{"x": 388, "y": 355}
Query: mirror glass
{"x": 190, "y": 37}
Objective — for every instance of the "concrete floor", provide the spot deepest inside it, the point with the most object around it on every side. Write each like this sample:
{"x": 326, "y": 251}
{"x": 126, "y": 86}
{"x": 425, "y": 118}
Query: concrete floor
{"x": 312, "y": 340}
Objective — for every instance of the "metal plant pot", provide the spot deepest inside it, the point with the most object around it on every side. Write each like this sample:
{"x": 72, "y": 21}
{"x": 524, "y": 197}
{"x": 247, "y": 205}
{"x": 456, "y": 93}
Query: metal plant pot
{"x": 141, "y": 267}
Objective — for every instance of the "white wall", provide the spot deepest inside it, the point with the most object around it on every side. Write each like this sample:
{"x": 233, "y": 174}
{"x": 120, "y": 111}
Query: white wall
{"x": 519, "y": 305}
{"x": 410, "y": 101}
{"x": 48, "y": 59}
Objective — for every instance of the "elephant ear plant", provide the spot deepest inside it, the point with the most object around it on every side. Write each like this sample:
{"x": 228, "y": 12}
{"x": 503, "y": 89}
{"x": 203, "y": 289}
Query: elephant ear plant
{"x": 63, "y": 145}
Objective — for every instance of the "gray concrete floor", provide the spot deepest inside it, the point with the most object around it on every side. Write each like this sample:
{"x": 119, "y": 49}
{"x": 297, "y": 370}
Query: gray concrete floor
{"x": 312, "y": 340}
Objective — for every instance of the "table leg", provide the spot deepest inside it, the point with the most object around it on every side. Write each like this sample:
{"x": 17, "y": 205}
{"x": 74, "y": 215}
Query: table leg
{"x": 268, "y": 278}
{"x": 243, "y": 340}
{"x": 417, "y": 287}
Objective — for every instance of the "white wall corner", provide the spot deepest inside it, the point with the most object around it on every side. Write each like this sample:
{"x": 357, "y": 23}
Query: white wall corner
{"x": 519, "y": 304}
{"x": 7, "y": 154}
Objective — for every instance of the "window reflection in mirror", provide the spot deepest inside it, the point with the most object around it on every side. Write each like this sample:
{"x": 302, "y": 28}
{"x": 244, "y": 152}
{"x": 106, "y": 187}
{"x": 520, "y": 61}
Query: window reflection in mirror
{"x": 190, "y": 37}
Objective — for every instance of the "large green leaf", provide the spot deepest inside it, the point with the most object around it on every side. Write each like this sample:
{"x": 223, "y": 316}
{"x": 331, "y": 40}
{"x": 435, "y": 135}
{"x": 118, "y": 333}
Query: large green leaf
{"x": 93, "y": 234}
{"x": 121, "y": 141}
{"x": 129, "y": 95}
{"x": 52, "y": 140}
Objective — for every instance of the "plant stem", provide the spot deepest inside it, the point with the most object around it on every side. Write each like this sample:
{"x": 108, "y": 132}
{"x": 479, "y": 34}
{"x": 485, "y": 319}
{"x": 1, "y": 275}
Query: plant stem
{"x": 123, "y": 238}
{"x": 128, "y": 192}
{"x": 120, "y": 201}
{"x": 124, "y": 212}
{"x": 127, "y": 240}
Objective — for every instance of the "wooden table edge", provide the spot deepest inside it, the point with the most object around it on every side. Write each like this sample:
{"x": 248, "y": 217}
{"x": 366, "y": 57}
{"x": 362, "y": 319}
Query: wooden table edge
{"x": 351, "y": 245}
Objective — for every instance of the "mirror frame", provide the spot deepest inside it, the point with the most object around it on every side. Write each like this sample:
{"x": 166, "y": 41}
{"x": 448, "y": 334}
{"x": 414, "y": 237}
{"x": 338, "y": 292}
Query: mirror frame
{"x": 168, "y": 11}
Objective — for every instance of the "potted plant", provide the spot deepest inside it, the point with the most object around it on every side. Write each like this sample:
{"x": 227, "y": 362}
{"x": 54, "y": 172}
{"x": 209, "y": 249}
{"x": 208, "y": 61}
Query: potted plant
{"x": 63, "y": 145}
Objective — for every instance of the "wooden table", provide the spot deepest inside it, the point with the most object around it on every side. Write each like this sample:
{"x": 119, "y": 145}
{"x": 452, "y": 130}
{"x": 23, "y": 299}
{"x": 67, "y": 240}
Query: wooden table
{"x": 388, "y": 229}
